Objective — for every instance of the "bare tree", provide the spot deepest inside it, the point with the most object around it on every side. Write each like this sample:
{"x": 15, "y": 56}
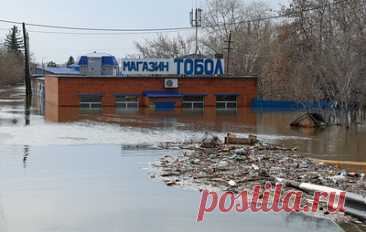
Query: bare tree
{"x": 317, "y": 51}
{"x": 323, "y": 43}
{"x": 11, "y": 68}
{"x": 165, "y": 47}
{"x": 250, "y": 38}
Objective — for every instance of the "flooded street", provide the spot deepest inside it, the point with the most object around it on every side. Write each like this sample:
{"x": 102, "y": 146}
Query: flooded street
{"x": 106, "y": 188}
{"x": 71, "y": 170}
{"x": 148, "y": 127}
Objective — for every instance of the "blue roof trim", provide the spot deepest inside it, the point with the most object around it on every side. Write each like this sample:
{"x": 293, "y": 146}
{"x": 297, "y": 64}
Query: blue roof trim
{"x": 109, "y": 60}
{"x": 76, "y": 67}
{"x": 83, "y": 60}
{"x": 59, "y": 71}
{"x": 162, "y": 94}
{"x": 127, "y": 94}
{"x": 195, "y": 94}
{"x": 227, "y": 94}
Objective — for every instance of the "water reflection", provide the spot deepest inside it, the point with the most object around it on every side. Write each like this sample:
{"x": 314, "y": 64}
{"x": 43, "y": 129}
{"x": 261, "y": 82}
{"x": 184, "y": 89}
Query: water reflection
{"x": 209, "y": 119}
{"x": 27, "y": 110}
{"x": 333, "y": 143}
{"x": 313, "y": 223}
{"x": 26, "y": 155}
{"x": 101, "y": 188}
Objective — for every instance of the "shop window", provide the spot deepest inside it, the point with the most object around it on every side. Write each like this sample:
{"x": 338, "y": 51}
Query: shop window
{"x": 193, "y": 102}
{"x": 226, "y": 102}
{"x": 127, "y": 102}
{"x": 91, "y": 101}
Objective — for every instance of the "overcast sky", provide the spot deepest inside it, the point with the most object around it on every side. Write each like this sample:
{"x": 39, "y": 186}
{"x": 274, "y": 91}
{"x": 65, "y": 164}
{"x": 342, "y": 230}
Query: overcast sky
{"x": 95, "y": 13}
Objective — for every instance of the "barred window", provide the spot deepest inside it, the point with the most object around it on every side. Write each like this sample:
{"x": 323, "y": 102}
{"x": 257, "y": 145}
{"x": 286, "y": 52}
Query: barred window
{"x": 127, "y": 102}
{"x": 193, "y": 102}
{"x": 226, "y": 102}
{"x": 91, "y": 101}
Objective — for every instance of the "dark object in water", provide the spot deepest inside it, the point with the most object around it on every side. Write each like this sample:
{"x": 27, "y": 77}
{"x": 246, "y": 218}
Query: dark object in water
{"x": 210, "y": 141}
{"x": 309, "y": 120}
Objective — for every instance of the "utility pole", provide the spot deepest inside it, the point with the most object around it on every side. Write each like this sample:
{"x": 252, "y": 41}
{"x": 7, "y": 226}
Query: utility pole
{"x": 27, "y": 78}
{"x": 196, "y": 21}
{"x": 229, "y": 41}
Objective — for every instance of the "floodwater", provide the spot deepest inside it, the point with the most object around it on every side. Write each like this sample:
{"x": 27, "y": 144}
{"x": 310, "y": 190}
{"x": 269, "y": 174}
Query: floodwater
{"x": 72, "y": 170}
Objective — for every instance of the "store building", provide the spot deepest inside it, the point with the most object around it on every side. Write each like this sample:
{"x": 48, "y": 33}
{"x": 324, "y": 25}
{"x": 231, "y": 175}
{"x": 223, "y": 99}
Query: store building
{"x": 162, "y": 84}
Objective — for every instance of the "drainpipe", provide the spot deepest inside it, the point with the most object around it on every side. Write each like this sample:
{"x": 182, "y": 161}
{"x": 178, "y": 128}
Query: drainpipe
{"x": 355, "y": 204}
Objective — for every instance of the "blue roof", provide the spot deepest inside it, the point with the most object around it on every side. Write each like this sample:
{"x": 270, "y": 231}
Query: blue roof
{"x": 162, "y": 94}
{"x": 107, "y": 59}
{"x": 58, "y": 71}
{"x": 74, "y": 66}
{"x": 83, "y": 60}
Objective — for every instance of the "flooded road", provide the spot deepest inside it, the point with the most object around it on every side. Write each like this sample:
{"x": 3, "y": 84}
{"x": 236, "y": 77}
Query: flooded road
{"x": 106, "y": 188}
{"x": 71, "y": 170}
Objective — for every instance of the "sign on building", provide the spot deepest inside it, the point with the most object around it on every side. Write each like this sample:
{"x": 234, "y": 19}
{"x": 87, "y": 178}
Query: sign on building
{"x": 180, "y": 67}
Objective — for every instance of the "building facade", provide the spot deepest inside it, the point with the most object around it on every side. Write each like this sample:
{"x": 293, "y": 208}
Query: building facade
{"x": 131, "y": 93}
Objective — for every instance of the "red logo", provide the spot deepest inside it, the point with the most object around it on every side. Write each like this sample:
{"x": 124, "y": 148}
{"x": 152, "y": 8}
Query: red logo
{"x": 288, "y": 201}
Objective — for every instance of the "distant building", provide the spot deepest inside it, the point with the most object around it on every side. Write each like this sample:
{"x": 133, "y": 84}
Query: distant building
{"x": 98, "y": 64}
{"x": 42, "y": 71}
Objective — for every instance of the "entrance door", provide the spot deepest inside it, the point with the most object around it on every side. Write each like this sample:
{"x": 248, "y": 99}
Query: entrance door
{"x": 164, "y": 106}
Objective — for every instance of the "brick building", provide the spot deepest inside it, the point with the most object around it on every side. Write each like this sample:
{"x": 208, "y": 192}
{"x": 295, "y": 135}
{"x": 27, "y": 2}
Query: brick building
{"x": 159, "y": 92}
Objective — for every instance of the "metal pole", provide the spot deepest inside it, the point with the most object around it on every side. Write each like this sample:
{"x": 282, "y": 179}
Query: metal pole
{"x": 228, "y": 53}
{"x": 196, "y": 21}
{"x": 27, "y": 78}
{"x": 196, "y": 39}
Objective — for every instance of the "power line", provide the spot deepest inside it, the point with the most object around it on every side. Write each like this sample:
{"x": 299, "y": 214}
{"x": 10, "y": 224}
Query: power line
{"x": 8, "y": 21}
{"x": 108, "y": 29}
{"x": 116, "y": 33}
{"x": 151, "y": 30}
{"x": 99, "y": 29}
{"x": 97, "y": 34}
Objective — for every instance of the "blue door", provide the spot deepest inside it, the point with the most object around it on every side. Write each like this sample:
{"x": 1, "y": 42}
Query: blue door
{"x": 164, "y": 106}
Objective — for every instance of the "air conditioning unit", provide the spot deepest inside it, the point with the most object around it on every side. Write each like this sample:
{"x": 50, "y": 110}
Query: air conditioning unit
{"x": 171, "y": 83}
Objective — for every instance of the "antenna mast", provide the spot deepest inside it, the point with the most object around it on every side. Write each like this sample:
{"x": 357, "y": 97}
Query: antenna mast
{"x": 196, "y": 21}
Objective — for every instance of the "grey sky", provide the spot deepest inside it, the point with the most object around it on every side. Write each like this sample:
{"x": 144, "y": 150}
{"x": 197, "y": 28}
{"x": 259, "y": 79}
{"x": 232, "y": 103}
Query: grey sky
{"x": 95, "y": 13}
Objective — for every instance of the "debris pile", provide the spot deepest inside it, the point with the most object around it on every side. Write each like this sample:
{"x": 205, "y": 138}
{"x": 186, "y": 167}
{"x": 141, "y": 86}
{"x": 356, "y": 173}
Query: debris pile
{"x": 215, "y": 165}
{"x": 211, "y": 164}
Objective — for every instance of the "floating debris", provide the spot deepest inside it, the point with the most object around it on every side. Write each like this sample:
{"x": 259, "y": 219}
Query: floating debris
{"x": 232, "y": 183}
{"x": 227, "y": 167}
{"x": 210, "y": 141}
{"x": 233, "y": 139}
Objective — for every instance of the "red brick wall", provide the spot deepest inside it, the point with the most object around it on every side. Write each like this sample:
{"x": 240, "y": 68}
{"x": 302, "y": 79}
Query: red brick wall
{"x": 51, "y": 91}
{"x": 64, "y": 91}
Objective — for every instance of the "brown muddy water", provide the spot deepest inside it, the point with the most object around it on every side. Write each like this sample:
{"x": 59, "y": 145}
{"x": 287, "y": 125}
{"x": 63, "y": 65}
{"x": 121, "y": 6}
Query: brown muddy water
{"x": 66, "y": 169}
